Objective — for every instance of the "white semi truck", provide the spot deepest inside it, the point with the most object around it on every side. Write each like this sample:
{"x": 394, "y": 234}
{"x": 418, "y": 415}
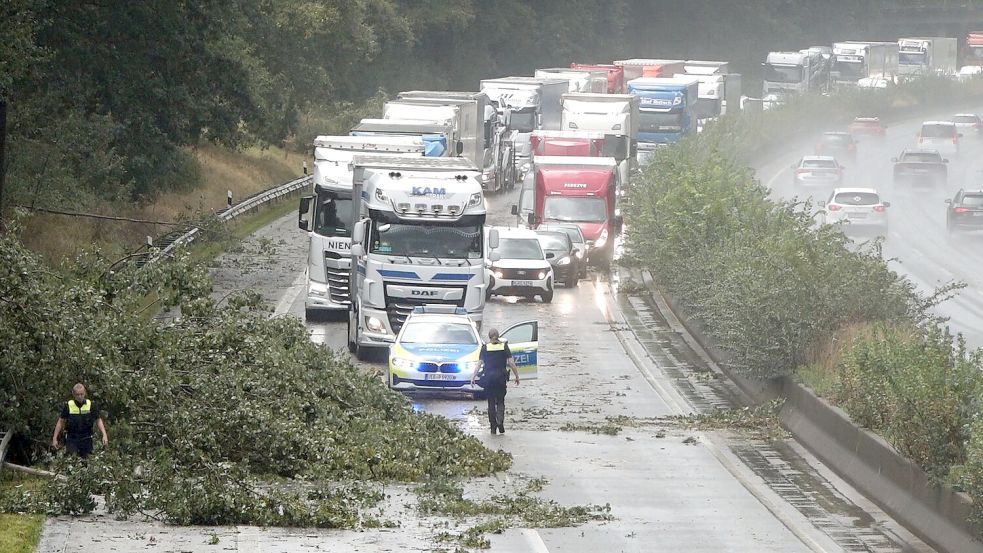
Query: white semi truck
{"x": 718, "y": 89}
{"x": 794, "y": 73}
{"x": 464, "y": 111}
{"x": 578, "y": 80}
{"x": 327, "y": 214}
{"x": 498, "y": 162}
{"x": 417, "y": 239}
{"x": 615, "y": 115}
{"x": 527, "y": 104}
{"x": 441, "y": 139}
{"x": 928, "y": 55}
{"x": 855, "y": 61}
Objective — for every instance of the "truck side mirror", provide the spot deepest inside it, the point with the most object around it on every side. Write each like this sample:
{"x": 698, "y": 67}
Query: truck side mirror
{"x": 459, "y": 148}
{"x": 515, "y": 210}
{"x": 531, "y": 220}
{"x": 303, "y": 212}
{"x": 494, "y": 256}
{"x": 357, "y": 250}
{"x": 358, "y": 233}
{"x": 493, "y": 239}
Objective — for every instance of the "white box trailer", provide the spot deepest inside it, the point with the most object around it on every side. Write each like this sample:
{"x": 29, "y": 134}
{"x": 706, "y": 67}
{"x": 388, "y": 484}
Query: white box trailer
{"x": 928, "y": 55}
{"x": 580, "y": 80}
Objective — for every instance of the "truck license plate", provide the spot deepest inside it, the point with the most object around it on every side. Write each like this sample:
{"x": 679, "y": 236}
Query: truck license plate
{"x": 438, "y": 376}
{"x": 521, "y": 283}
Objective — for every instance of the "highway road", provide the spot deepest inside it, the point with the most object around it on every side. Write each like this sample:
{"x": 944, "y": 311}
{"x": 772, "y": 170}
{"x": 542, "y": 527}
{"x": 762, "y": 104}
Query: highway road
{"x": 917, "y": 243}
{"x": 608, "y": 356}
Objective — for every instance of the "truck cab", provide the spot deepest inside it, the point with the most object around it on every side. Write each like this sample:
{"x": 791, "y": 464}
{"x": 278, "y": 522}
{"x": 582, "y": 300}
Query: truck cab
{"x": 327, "y": 214}
{"x": 615, "y": 74}
{"x": 417, "y": 238}
{"x": 580, "y": 190}
{"x": 666, "y": 108}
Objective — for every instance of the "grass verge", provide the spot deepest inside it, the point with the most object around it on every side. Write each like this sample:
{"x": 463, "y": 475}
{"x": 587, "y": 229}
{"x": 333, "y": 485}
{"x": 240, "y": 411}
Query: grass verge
{"x": 19, "y": 533}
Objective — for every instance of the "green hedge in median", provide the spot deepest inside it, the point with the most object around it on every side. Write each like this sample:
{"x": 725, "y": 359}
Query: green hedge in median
{"x": 772, "y": 287}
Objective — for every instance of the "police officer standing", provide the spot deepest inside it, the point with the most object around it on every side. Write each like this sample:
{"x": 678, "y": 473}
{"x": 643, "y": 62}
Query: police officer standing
{"x": 78, "y": 416}
{"x": 494, "y": 363}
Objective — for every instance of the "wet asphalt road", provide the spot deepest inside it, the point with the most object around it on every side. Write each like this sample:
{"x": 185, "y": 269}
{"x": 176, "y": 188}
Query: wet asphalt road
{"x": 917, "y": 243}
{"x": 602, "y": 355}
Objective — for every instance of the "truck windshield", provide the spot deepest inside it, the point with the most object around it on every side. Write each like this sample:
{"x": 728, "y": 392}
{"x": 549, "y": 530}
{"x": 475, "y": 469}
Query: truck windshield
{"x": 911, "y": 58}
{"x": 333, "y": 215}
{"x": 427, "y": 240}
{"x": 523, "y": 121}
{"x": 651, "y": 121}
{"x": 849, "y": 70}
{"x": 783, "y": 73}
{"x": 577, "y": 210}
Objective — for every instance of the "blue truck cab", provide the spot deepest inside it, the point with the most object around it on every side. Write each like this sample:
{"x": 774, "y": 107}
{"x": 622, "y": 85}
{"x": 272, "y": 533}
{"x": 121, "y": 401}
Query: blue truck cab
{"x": 665, "y": 108}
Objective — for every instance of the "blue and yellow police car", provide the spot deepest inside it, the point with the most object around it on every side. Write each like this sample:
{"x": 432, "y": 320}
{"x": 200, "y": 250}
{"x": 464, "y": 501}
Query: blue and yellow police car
{"x": 438, "y": 347}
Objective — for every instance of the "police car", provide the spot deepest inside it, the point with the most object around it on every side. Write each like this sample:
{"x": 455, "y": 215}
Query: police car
{"x": 438, "y": 347}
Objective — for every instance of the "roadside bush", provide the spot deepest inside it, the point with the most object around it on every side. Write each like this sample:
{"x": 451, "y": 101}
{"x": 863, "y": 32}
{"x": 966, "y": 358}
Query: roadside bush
{"x": 763, "y": 280}
{"x": 920, "y": 390}
{"x": 205, "y": 413}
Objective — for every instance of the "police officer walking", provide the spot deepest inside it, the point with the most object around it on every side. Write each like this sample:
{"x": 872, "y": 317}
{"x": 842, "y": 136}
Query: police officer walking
{"x": 78, "y": 416}
{"x": 494, "y": 363}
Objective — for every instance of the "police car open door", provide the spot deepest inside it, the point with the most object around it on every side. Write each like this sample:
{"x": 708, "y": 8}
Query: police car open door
{"x": 523, "y": 340}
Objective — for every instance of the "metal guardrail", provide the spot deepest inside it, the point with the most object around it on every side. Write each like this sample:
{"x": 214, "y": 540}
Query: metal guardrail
{"x": 4, "y": 444}
{"x": 245, "y": 206}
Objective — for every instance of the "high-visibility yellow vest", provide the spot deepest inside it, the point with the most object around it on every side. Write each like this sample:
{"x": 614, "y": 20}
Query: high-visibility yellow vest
{"x": 74, "y": 409}
{"x": 495, "y": 347}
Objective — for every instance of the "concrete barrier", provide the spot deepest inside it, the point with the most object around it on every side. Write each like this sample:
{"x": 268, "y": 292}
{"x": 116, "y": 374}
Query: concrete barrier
{"x": 936, "y": 514}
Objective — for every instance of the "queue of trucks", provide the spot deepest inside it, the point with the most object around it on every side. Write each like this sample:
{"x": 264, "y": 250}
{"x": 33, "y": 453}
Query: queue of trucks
{"x": 397, "y": 215}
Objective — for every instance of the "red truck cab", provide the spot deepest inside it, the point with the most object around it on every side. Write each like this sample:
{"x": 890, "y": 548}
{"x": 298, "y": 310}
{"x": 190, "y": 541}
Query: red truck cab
{"x": 580, "y": 190}
{"x": 616, "y": 75}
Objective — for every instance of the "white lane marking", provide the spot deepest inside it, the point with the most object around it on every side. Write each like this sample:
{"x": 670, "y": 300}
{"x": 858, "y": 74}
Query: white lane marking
{"x": 677, "y": 403}
{"x": 291, "y": 294}
{"x": 534, "y": 540}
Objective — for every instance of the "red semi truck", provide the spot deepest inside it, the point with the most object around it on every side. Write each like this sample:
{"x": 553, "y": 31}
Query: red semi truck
{"x": 580, "y": 190}
{"x": 616, "y": 75}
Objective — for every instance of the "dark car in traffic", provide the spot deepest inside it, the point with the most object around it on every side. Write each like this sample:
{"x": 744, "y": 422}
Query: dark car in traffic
{"x": 562, "y": 256}
{"x": 965, "y": 211}
{"x": 581, "y": 249}
{"x": 839, "y": 144}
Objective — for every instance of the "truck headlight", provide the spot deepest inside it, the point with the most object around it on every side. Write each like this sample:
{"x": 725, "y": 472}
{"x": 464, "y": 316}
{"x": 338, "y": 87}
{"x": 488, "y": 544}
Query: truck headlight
{"x": 564, "y": 261}
{"x": 602, "y": 239}
{"x": 373, "y": 324}
{"x": 475, "y": 199}
{"x": 380, "y": 195}
{"x": 405, "y": 364}
{"x": 497, "y": 274}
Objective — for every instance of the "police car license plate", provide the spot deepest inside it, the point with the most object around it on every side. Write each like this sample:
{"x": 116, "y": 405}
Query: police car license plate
{"x": 438, "y": 376}
{"x": 521, "y": 283}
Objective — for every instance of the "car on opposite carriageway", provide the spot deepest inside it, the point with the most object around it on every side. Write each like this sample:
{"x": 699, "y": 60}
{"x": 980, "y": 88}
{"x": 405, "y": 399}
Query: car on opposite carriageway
{"x": 438, "y": 348}
{"x": 840, "y": 144}
{"x": 964, "y": 211}
{"x": 856, "y": 208}
{"x": 817, "y": 170}
{"x": 920, "y": 166}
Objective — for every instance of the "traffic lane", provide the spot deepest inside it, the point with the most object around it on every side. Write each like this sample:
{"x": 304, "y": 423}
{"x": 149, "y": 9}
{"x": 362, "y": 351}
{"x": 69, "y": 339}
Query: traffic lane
{"x": 583, "y": 369}
{"x": 917, "y": 245}
{"x": 666, "y": 495}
